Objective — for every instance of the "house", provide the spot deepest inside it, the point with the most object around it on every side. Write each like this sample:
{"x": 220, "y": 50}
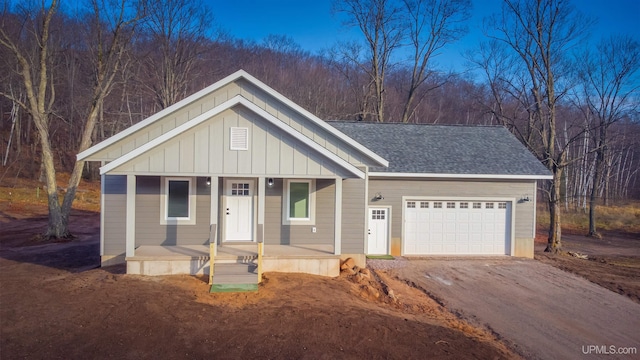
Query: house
{"x": 237, "y": 164}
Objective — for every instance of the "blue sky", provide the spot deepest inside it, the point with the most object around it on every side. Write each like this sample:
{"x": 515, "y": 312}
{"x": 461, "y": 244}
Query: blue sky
{"x": 311, "y": 24}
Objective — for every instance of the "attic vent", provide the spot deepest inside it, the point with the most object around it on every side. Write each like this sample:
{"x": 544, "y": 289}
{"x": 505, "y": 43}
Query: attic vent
{"x": 239, "y": 138}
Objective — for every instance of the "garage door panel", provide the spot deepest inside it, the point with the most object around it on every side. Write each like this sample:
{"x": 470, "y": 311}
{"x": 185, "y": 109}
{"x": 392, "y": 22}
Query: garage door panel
{"x": 457, "y": 227}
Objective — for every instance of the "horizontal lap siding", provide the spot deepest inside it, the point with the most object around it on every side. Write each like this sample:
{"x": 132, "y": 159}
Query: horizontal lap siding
{"x": 115, "y": 214}
{"x": 394, "y": 190}
{"x": 276, "y": 233}
{"x": 353, "y": 216}
{"x": 149, "y": 231}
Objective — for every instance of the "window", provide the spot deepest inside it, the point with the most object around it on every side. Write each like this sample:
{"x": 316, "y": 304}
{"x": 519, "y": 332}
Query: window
{"x": 451, "y": 205}
{"x": 464, "y": 205}
{"x": 477, "y": 205}
{"x": 437, "y": 205}
{"x": 239, "y": 138}
{"x": 299, "y": 202}
{"x": 488, "y": 206}
{"x": 411, "y": 204}
{"x": 424, "y": 204}
{"x": 378, "y": 214}
{"x": 502, "y": 205}
{"x": 240, "y": 189}
{"x": 178, "y": 201}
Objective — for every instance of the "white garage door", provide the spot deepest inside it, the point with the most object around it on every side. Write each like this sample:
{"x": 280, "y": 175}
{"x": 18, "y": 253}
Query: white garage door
{"x": 457, "y": 227}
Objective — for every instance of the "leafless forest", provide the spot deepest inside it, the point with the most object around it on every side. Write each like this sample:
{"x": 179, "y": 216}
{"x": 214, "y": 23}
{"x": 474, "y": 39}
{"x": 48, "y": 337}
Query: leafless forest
{"x": 71, "y": 79}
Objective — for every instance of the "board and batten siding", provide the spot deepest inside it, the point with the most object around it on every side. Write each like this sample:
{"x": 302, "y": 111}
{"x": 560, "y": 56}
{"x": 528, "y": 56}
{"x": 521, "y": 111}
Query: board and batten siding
{"x": 394, "y": 189}
{"x": 300, "y": 123}
{"x": 149, "y": 231}
{"x": 278, "y": 234}
{"x": 115, "y": 215}
{"x": 205, "y": 149}
{"x": 168, "y": 123}
{"x": 354, "y": 209}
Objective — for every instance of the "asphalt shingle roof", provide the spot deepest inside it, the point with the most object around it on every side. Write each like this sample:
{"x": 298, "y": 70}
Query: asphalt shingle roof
{"x": 444, "y": 149}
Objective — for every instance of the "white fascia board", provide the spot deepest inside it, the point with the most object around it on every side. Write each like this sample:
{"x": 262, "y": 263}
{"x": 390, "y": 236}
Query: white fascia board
{"x": 323, "y": 124}
{"x": 162, "y": 113}
{"x": 296, "y": 134}
{"x": 460, "y": 176}
{"x": 233, "y": 77}
{"x": 236, "y": 100}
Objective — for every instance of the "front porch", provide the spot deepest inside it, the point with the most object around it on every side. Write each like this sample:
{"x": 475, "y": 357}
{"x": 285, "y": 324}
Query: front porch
{"x": 194, "y": 259}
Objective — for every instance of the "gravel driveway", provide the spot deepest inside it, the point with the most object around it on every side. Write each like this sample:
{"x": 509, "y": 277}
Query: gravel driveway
{"x": 540, "y": 311}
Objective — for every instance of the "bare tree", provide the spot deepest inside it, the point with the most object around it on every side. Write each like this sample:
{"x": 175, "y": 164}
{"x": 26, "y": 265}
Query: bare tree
{"x": 109, "y": 36}
{"x": 431, "y": 25}
{"x": 176, "y": 34}
{"x": 610, "y": 90}
{"x": 380, "y": 24}
{"x": 540, "y": 33}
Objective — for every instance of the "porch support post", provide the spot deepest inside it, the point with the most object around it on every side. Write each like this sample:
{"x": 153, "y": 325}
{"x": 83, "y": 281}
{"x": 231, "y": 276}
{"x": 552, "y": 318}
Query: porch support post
{"x": 262, "y": 188}
{"x": 103, "y": 178}
{"x": 337, "y": 246}
{"x": 130, "y": 237}
{"x": 213, "y": 221}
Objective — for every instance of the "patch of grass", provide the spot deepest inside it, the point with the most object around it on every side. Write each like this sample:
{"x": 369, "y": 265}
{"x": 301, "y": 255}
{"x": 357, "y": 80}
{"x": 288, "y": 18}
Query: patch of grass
{"x": 380, "y": 257}
{"x": 624, "y": 218}
{"x": 30, "y": 196}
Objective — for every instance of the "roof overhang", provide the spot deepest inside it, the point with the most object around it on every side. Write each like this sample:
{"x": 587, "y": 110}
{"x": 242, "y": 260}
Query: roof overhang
{"x": 460, "y": 176}
{"x": 234, "y": 101}
{"x": 377, "y": 159}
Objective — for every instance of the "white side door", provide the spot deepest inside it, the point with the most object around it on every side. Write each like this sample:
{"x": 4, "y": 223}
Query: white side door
{"x": 378, "y": 231}
{"x": 239, "y": 210}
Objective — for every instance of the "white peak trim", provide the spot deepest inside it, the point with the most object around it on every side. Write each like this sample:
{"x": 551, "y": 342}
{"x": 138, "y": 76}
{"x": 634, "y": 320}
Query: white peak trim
{"x": 217, "y": 85}
{"x": 460, "y": 176}
{"x": 236, "y": 100}
{"x": 162, "y": 113}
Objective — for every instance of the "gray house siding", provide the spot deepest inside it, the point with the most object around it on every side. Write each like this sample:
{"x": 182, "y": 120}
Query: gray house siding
{"x": 278, "y": 234}
{"x": 353, "y": 215}
{"x": 271, "y": 151}
{"x": 149, "y": 231}
{"x": 394, "y": 190}
{"x": 299, "y": 122}
{"x": 115, "y": 215}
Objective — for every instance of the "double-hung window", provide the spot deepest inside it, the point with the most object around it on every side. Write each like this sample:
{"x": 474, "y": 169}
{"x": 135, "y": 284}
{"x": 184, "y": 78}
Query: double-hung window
{"x": 299, "y": 204}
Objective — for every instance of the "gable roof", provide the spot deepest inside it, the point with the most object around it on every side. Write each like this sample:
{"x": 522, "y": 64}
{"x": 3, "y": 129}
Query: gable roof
{"x": 241, "y": 74}
{"x": 446, "y": 150}
{"x": 236, "y": 100}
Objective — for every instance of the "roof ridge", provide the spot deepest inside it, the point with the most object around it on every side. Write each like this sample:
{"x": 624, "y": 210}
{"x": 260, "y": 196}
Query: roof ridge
{"x": 417, "y": 124}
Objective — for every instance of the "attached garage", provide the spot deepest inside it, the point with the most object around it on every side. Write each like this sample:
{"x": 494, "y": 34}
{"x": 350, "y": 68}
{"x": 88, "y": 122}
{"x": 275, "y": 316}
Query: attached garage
{"x": 455, "y": 227}
{"x": 449, "y": 190}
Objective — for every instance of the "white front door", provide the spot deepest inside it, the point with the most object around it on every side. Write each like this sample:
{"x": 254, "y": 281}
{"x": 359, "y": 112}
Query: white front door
{"x": 378, "y": 231}
{"x": 238, "y": 210}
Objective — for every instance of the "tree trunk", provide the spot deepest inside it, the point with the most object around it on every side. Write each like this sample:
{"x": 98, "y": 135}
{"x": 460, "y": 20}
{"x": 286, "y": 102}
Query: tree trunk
{"x": 597, "y": 178}
{"x": 554, "y": 244}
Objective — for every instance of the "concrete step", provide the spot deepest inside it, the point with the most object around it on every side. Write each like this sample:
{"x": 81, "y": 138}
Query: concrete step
{"x": 235, "y": 274}
{"x": 234, "y": 269}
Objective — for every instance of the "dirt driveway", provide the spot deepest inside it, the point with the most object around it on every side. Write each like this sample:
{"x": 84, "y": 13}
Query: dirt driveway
{"x": 541, "y": 311}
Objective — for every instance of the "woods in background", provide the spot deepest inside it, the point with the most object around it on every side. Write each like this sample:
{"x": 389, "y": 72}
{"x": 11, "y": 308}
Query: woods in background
{"x": 74, "y": 78}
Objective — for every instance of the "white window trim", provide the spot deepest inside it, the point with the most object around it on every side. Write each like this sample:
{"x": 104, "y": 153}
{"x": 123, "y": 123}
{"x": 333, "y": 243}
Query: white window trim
{"x": 286, "y": 219}
{"x": 164, "y": 200}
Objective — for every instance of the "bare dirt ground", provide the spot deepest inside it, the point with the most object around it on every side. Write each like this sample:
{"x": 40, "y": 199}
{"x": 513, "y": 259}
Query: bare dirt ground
{"x": 56, "y": 303}
{"x": 612, "y": 262}
{"x": 540, "y": 311}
